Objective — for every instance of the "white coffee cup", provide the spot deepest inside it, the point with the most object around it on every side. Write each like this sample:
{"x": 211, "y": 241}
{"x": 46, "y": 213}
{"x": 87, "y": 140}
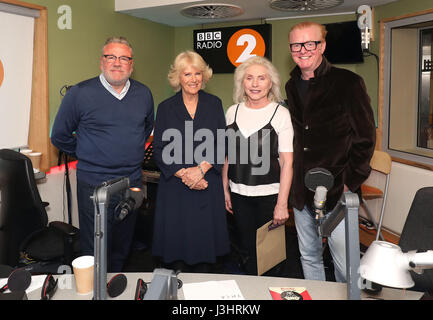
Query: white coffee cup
{"x": 83, "y": 271}
{"x": 26, "y": 151}
{"x": 35, "y": 157}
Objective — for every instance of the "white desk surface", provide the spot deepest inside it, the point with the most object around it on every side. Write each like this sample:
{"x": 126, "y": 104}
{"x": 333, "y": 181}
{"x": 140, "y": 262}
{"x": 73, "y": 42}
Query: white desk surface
{"x": 252, "y": 287}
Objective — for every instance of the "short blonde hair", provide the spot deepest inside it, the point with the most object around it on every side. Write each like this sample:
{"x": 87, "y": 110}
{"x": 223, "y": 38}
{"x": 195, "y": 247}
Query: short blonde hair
{"x": 307, "y": 24}
{"x": 239, "y": 90}
{"x": 183, "y": 60}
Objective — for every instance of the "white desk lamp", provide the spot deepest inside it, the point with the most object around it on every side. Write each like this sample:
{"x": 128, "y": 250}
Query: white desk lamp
{"x": 384, "y": 263}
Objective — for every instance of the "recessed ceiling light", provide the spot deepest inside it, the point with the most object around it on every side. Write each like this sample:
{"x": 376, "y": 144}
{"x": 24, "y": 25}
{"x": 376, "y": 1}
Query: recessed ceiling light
{"x": 212, "y": 11}
{"x": 304, "y": 5}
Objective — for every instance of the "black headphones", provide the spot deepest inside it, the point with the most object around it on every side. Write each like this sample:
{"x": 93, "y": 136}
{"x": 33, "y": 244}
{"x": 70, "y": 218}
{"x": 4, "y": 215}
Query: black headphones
{"x": 49, "y": 287}
{"x": 140, "y": 290}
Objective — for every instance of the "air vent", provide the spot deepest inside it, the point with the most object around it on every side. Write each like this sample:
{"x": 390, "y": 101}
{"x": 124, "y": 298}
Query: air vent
{"x": 212, "y": 11}
{"x": 304, "y": 5}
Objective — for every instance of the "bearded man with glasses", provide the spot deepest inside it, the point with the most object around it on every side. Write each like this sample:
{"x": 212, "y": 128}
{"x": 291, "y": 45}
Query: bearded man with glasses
{"x": 334, "y": 129}
{"x": 104, "y": 122}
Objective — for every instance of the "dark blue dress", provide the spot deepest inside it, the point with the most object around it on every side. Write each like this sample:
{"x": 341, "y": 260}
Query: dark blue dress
{"x": 190, "y": 225}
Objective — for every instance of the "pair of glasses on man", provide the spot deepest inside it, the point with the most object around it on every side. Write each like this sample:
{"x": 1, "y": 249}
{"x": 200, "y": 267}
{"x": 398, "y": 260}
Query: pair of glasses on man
{"x": 111, "y": 58}
{"x": 309, "y": 46}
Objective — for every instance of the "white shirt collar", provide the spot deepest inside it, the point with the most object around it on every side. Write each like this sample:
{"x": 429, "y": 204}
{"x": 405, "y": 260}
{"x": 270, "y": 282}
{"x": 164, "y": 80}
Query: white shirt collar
{"x": 110, "y": 89}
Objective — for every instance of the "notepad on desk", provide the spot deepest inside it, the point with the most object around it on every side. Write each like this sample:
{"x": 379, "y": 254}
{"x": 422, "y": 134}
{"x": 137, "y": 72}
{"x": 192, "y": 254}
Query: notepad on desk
{"x": 212, "y": 290}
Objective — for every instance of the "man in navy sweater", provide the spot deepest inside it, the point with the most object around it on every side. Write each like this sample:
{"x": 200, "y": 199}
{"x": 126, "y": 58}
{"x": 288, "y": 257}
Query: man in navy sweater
{"x": 104, "y": 122}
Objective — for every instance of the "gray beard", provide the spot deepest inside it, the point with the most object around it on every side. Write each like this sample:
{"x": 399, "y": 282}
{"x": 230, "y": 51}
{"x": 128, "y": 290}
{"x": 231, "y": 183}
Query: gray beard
{"x": 116, "y": 83}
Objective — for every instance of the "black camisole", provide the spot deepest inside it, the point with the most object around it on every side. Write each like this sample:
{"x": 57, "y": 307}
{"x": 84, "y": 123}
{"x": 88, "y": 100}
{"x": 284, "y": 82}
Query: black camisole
{"x": 248, "y": 164}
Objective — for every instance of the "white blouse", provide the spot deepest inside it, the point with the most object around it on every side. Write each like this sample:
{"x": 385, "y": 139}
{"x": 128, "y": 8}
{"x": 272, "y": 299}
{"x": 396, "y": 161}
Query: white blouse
{"x": 250, "y": 121}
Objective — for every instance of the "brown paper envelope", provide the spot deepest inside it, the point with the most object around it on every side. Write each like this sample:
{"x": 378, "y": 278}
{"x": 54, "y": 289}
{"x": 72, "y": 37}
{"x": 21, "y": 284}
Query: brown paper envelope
{"x": 271, "y": 247}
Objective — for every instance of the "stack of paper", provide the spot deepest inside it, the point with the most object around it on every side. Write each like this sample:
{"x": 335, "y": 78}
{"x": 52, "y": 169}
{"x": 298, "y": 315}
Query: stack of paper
{"x": 212, "y": 290}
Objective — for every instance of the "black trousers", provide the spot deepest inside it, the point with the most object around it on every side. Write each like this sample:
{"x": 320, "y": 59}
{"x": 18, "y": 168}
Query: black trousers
{"x": 250, "y": 213}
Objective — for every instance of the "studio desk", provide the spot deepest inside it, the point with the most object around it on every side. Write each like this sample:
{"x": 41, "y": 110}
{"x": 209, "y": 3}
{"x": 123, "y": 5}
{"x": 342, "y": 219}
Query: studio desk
{"x": 251, "y": 287}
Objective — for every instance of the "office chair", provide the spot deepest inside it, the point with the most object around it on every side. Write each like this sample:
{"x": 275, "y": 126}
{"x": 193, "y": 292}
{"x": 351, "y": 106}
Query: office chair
{"x": 380, "y": 162}
{"x": 24, "y": 228}
{"x": 417, "y": 234}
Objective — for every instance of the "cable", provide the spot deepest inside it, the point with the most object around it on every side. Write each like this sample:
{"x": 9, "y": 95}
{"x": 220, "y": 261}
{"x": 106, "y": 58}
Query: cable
{"x": 66, "y": 183}
{"x": 65, "y": 87}
{"x": 63, "y": 197}
{"x": 367, "y": 53}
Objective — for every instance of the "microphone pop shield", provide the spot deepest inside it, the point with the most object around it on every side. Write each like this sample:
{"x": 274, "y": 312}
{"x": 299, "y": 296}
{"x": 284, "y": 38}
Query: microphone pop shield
{"x": 19, "y": 280}
{"x": 5, "y": 270}
{"x": 116, "y": 285}
{"x": 318, "y": 177}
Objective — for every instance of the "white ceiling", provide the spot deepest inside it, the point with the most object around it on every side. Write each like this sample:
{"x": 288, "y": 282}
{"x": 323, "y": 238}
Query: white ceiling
{"x": 168, "y": 11}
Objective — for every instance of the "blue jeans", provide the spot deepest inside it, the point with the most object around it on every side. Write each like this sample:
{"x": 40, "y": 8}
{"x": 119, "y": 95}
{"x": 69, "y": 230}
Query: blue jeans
{"x": 310, "y": 247}
{"x": 119, "y": 233}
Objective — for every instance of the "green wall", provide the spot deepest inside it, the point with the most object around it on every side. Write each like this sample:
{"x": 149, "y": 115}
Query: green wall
{"x": 222, "y": 84}
{"x": 74, "y": 54}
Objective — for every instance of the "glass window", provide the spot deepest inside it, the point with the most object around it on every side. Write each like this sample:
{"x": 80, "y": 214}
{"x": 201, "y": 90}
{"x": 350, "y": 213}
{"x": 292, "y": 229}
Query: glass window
{"x": 425, "y": 101}
{"x": 408, "y": 90}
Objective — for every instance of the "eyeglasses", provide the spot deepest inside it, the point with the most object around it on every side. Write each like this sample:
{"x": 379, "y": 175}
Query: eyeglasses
{"x": 309, "y": 46}
{"x": 112, "y": 58}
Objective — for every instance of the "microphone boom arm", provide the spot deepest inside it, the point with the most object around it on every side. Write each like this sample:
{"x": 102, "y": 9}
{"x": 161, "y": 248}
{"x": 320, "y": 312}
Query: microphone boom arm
{"x": 347, "y": 208}
{"x": 101, "y": 199}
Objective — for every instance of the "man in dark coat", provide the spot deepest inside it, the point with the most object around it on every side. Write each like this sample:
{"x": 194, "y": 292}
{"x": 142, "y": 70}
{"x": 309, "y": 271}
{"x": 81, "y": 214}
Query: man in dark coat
{"x": 334, "y": 129}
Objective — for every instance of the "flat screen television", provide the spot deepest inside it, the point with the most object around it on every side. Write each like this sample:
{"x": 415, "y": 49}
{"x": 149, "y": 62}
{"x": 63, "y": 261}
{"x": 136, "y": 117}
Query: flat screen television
{"x": 343, "y": 43}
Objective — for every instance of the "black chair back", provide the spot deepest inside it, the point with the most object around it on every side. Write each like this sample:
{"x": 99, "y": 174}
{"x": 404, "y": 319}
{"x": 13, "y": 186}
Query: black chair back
{"x": 21, "y": 208}
{"x": 417, "y": 234}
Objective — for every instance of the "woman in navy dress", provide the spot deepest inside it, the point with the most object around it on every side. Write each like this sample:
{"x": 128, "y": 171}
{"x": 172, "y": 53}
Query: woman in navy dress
{"x": 190, "y": 229}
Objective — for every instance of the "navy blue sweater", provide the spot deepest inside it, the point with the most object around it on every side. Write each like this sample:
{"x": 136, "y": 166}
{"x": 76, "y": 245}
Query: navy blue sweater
{"x": 110, "y": 133}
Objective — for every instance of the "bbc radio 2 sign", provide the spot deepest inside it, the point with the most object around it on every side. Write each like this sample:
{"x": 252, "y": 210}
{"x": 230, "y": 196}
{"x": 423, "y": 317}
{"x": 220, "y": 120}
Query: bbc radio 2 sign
{"x": 226, "y": 48}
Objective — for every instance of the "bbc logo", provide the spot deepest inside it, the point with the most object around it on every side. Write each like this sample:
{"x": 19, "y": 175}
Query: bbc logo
{"x": 209, "y": 36}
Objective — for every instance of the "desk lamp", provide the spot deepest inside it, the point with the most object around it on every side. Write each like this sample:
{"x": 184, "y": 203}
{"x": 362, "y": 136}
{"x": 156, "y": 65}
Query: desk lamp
{"x": 384, "y": 263}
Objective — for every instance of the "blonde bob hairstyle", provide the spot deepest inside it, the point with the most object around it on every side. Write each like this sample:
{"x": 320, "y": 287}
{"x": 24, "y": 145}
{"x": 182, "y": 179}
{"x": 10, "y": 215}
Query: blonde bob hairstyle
{"x": 184, "y": 60}
{"x": 274, "y": 94}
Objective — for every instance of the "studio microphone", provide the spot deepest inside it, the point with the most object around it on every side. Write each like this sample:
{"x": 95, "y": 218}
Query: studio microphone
{"x": 320, "y": 197}
{"x": 319, "y": 180}
{"x": 132, "y": 200}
